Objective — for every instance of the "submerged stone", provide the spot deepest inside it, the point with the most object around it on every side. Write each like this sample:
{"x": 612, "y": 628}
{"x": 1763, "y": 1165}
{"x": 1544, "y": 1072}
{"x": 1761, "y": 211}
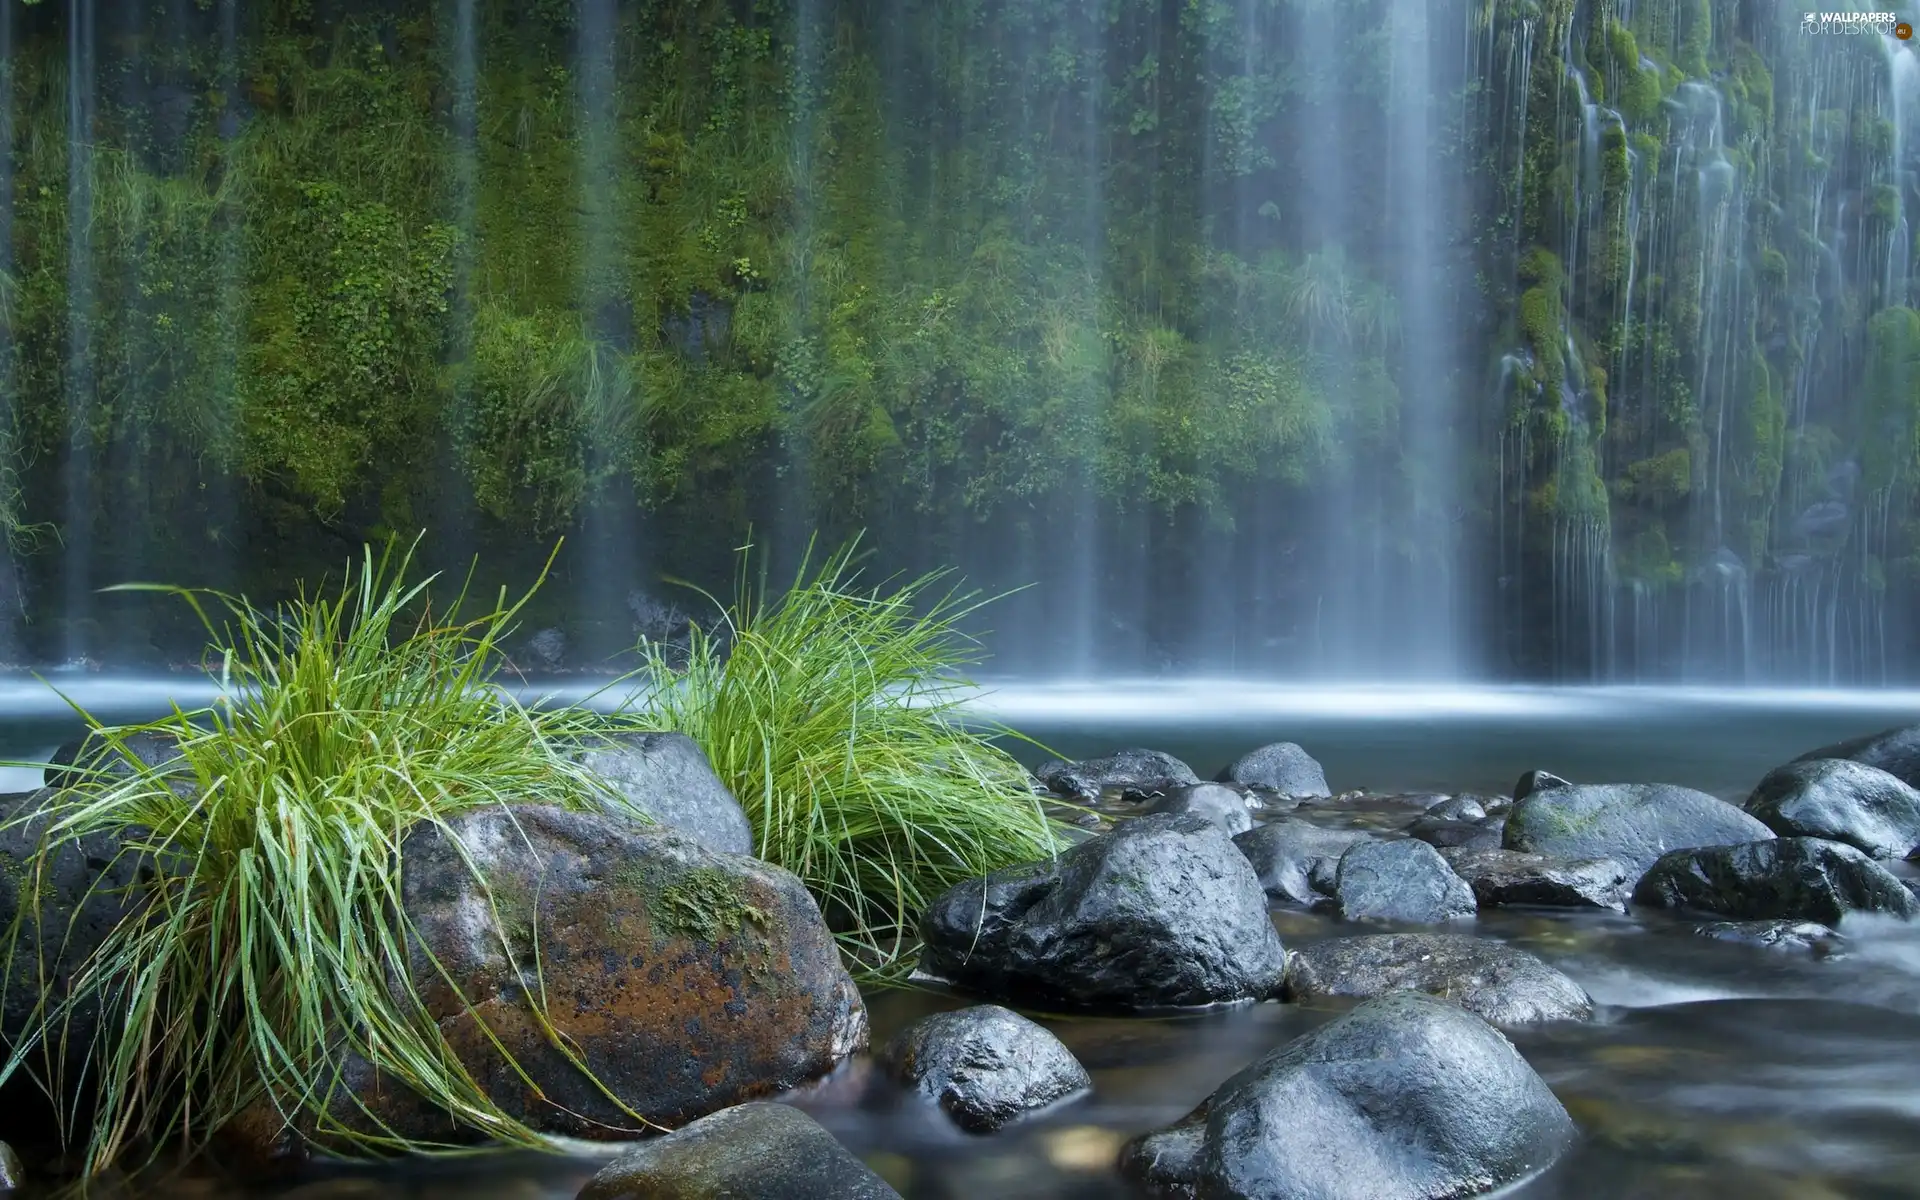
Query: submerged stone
{"x": 1631, "y": 823}
{"x": 1458, "y": 808}
{"x": 1162, "y": 912}
{"x": 1842, "y": 801}
{"x": 755, "y": 1151}
{"x": 1514, "y": 877}
{"x": 1804, "y": 879}
{"x": 1135, "y": 774}
{"x": 1504, "y": 985}
{"x": 1805, "y": 937}
{"x": 1400, "y": 880}
{"x": 1407, "y": 1097}
{"x": 986, "y": 1066}
{"x": 685, "y": 979}
{"x": 668, "y": 777}
{"x": 1281, "y": 767}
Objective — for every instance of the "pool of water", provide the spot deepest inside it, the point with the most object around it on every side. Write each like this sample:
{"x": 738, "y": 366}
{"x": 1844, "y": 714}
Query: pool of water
{"x": 1712, "y": 1069}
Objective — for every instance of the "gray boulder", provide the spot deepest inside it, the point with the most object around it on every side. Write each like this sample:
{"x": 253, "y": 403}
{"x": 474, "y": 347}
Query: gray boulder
{"x": 1286, "y": 855}
{"x": 1632, "y": 823}
{"x": 1802, "y": 937}
{"x": 1281, "y": 767}
{"x": 1799, "y": 879}
{"x": 756, "y": 1151}
{"x": 1444, "y": 834}
{"x": 1895, "y": 751}
{"x": 1400, "y": 880}
{"x": 1135, "y": 774}
{"x": 1536, "y": 780}
{"x": 1162, "y": 912}
{"x": 1504, "y": 985}
{"x": 667, "y": 777}
{"x": 1407, "y": 1097}
{"x": 1842, "y": 801}
{"x": 1216, "y": 802}
{"x": 1458, "y": 808}
{"x": 986, "y": 1065}
{"x": 1514, "y": 877}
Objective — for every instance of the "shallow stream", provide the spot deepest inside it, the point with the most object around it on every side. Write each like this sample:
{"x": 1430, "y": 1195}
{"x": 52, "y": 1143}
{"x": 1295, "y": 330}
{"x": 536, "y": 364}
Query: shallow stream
{"x": 1713, "y": 1070}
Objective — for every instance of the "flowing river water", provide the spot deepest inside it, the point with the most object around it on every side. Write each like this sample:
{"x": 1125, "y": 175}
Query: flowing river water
{"x": 1711, "y": 1070}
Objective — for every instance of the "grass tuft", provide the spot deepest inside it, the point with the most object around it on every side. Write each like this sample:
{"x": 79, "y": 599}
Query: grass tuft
{"x": 831, "y": 711}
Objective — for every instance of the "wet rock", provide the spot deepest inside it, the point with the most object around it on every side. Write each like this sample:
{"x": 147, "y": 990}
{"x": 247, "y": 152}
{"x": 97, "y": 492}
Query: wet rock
{"x": 1216, "y": 802}
{"x": 749, "y": 1152}
{"x": 986, "y": 1065}
{"x": 1895, "y": 751}
{"x": 1804, "y": 879}
{"x": 1500, "y": 983}
{"x": 1806, "y": 937}
{"x": 1400, "y": 880}
{"x": 1442, "y": 833}
{"x": 1842, "y": 801}
{"x": 1162, "y": 912}
{"x": 667, "y": 777}
{"x": 1458, "y": 808}
{"x": 686, "y": 980}
{"x": 1135, "y": 774}
{"x": 1632, "y": 823}
{"x": 13, "y": 1175}
{"x": 1405, "y": 1097}
{"x": 1536, "y": 780}
{"x": 546, "y": 649}
{"x": 1514, "y": 877}
{"x": 1285, "y": 854}
{"x": 93, "y": 756}
{"x": 1282, "y": 767}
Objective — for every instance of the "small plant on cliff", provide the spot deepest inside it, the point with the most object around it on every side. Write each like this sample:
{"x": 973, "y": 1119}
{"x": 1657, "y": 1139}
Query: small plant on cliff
{"x": 832, "y": 713}
{"x": 263, "y": 943}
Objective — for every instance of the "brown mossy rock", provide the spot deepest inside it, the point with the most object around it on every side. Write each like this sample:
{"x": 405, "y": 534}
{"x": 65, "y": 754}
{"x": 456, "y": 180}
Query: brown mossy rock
{"x": 685, "y": 979}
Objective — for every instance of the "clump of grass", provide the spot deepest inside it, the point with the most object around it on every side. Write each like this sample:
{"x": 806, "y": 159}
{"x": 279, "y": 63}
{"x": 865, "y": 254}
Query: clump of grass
{"x": 269, "y": 945}
{"x": 832, "y": 713}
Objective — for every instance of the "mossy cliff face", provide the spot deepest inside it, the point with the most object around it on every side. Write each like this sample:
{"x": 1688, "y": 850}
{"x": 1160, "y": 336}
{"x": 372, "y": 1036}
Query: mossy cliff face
{"x": 954, "y": 272}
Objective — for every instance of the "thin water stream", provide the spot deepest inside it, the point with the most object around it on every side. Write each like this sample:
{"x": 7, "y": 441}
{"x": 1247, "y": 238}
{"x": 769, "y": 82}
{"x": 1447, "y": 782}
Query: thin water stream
{"x": 1711, "y": 1070}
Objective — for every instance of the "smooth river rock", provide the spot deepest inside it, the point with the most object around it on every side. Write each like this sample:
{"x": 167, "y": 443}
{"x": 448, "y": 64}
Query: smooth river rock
{"x": 1514, "y": 877}
{"x": 1504, "y": 985}
{"x": 749, "y": 1152}
{"x": 1804, "y": 937}
{"x": 1282, "y": 767}
{"x": 1444, "y": 834}
{"x": 1400, "y": 880}
{"x": 668, "y": 777}
{"x": 1216, "y": 802}
{"x": 1799, "y": 879}
{"x": 1842, "y": 801}
{"x": 1631, "y": 823}
{"x": 687, "y": 980}
{"x": 986, "y": 1066}
{"x": 1135, "y": 774}
{"x": 1163, "y": 912}
{"x": 1895, "y": 751}
{"x": 1536, "y": 780}
{"x": 1407, "y": 1097}
{"x": 1285, "y": 854}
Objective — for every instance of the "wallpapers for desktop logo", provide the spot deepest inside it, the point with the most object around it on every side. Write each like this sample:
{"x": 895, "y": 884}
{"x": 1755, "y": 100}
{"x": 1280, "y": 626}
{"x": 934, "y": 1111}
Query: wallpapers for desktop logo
{"x": 1856, "y": 23}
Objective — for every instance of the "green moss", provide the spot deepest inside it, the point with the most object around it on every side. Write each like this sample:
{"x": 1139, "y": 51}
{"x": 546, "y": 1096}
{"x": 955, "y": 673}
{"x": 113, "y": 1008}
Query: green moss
{"x": 1661, "y": 480}
{"x": 1540, "y": 321}
{"x": 706, "y": 905}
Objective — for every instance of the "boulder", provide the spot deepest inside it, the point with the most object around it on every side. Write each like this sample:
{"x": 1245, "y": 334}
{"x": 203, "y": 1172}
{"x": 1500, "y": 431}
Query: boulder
{"x": 685, "y": 979}
{"x": 1514, "y": 877}
{"x": 1798, "y": 879}
{"x": 1895, "y": 751}
{"x": 986, "y": 1066}
{"x": 1282, "y": 767}
{"x": 1631, "y": 823}
{"x": 94, "y": 756}
{"x": 1214, "y": 801}
{"x": 1504, "y": 985}
{"x": 1135, "y": 774}
{"x": 1804, "y": 937}
{"x": 1400, "y": 880}
{"x": 749, "y": 1152}
{"x": 1162, "y": 912}
{"x": 1407, "y": 1097}
{"x": 667, "y": 777}
{"x": 1842, "y": 801}
{"x": 1536, "y": 780}
{"x": 13, "y": 1176}
{"x": 1445, "y": 834}
{"x": 1285, "y": 855}
{"x": 1458, "y": 808}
